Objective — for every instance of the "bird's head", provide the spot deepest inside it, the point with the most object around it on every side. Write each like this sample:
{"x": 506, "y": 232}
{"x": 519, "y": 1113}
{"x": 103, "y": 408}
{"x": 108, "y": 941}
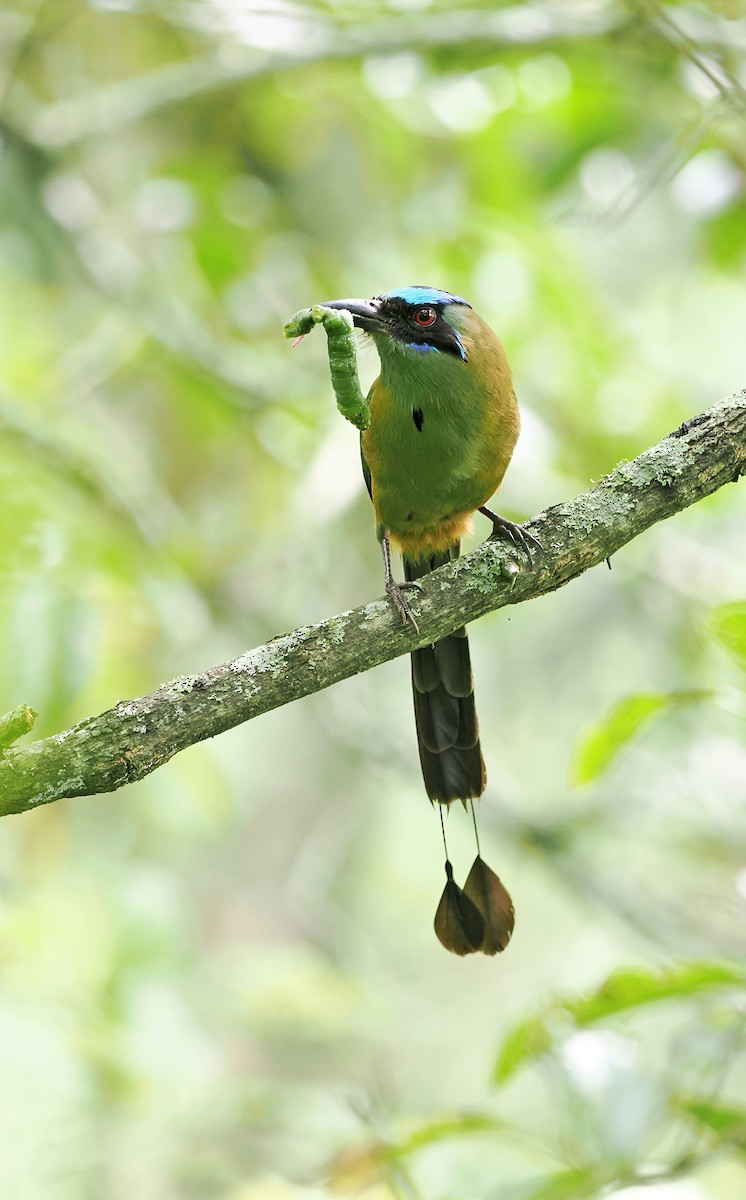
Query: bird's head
{"x": 416, "y": 322}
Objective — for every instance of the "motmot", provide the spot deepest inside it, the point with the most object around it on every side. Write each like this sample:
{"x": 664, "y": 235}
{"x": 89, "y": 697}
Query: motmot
{"x": 443, "y": 426}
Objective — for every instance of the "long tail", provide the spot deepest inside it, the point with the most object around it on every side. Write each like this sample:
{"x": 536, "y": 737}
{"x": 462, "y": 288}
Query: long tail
{"x": 444, "y": 709}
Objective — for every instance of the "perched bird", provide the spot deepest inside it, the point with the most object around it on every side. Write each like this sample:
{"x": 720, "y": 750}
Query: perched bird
{"x": 444, "y": 424}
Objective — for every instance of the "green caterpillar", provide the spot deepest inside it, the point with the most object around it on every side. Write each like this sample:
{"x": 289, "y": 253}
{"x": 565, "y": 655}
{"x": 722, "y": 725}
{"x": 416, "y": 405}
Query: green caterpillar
{"x": 342, "y": 360}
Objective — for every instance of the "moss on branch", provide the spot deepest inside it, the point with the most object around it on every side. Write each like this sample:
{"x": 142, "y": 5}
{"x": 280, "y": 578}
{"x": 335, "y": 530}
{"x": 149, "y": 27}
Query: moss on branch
{"x": 135, "y": 737}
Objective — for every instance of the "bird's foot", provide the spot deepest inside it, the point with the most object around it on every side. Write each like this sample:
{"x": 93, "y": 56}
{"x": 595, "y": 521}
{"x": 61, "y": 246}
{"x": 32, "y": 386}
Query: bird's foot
{"x": 520, "y": 537}
{"x": 396, "y": 592}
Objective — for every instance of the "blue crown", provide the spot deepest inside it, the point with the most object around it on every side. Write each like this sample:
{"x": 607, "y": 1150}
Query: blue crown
{"x": 424, "y": 295}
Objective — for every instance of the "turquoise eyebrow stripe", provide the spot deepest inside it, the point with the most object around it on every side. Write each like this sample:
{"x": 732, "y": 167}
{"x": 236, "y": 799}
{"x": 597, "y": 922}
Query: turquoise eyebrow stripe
{"x": 424, "y": 295}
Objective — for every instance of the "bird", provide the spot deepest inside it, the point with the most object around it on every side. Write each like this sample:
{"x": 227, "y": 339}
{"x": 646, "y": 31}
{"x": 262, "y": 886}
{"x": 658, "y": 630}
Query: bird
{"x": 444, "y": 423}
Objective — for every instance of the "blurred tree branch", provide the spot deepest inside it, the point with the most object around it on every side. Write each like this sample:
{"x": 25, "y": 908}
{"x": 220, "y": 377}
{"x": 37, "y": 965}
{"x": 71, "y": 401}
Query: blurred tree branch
{"x": 107, "y": 108}
{"x": 135, "y": 737}
{"x": 536, "y": 27}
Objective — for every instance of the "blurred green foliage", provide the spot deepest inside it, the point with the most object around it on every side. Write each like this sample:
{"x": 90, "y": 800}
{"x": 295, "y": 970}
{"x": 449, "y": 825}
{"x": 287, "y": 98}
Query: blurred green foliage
{"x": 223, "y": 981}
{"x": 599, "y": 746}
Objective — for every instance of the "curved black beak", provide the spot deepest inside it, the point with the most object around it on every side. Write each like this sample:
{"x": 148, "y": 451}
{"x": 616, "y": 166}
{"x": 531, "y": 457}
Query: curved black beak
{"x": 364, "y": 313}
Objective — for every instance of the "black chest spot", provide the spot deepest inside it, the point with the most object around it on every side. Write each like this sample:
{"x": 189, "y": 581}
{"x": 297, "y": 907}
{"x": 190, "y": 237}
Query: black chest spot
{"x": 419, "y": 418}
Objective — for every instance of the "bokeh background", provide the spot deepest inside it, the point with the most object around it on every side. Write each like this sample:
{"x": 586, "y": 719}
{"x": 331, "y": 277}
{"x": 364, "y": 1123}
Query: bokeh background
{"x": 223, "y": 982}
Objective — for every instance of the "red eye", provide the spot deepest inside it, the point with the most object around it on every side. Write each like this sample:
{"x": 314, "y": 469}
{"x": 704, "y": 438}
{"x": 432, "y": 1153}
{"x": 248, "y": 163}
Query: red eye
{"x": 425, "y": 316}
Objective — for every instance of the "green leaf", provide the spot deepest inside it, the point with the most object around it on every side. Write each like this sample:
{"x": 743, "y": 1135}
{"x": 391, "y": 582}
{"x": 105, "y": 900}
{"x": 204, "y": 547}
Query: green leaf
{"x": 728, "y": 626}
{"x": 524, "y": 1044}
{"x": 631, "y": 987}
{"x": 601, "y": 743}
{"x": 445, "y": 1127}
{"x": 728, "y": 1123}
{"x": 574, "y": 1184}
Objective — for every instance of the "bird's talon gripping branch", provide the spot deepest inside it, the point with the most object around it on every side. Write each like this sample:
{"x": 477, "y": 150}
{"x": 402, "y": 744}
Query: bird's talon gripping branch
{"x": 396, "y": 592}
{"x": 520, "y": 537}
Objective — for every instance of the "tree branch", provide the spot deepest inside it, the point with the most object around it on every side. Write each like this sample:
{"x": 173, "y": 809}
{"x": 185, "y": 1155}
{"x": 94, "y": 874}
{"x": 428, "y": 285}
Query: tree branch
{"x": 104, "y": 109}
{"x": 14, "y": 724}
{"x": 135, "y": 737}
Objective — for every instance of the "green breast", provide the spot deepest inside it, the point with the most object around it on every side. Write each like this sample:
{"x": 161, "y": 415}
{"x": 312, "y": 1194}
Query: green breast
{"x": 425, "y": 450}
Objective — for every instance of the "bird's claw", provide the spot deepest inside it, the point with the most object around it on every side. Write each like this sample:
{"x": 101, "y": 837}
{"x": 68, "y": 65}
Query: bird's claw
{"x": 396, "y": 592}
{"x": 520, "y": 537}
